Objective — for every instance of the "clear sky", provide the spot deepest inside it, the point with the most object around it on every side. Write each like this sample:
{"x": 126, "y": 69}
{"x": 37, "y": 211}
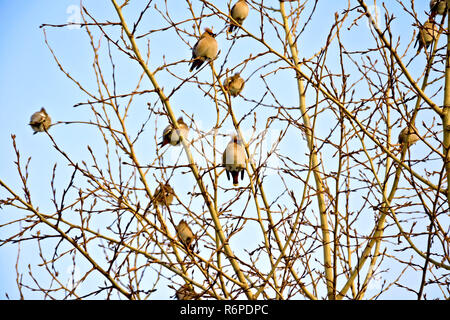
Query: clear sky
{"x": 30, "y": 79}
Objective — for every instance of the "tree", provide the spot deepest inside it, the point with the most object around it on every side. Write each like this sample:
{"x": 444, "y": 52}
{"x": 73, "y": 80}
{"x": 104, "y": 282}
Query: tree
{"x": 331, "y": 205}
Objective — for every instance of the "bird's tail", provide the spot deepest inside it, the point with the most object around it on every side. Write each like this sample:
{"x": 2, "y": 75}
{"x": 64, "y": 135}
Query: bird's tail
{"x": 196, "y": 64}
{"x": 231, "y": 28}
{"x": 235, "y": 175}
{"x": 162, "y": 143}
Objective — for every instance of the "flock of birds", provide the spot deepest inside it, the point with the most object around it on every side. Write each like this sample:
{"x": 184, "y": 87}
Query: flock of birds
{"x": 234, "y": 157}
{"x": 426, "y": 36}
{"x": 429, "y": 30}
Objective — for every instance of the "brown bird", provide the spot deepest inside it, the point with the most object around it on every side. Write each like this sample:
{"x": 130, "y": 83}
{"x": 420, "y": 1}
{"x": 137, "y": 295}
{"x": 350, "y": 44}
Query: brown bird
{"x": 185, "y": 235}
{"x": 408, "y": 136}
{"x": 238, "y": 12}
{"x": 172, "y": 136}
{"x": 205, "y": 49}
{"x": 427, "y": 34}
{"x": 438, "y": 7}
{"x": 234, "y": 159}
{"x": 40, "y": 121}
{"x": 164, "y": 195}
{"x": 234, "y": 84}
{"x": 186, "y": 293}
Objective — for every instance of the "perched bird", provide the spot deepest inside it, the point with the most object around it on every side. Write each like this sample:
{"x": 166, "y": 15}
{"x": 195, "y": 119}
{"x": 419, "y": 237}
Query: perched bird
{"x": 186, "y": 293}
{"x": 408, "y": 136}
{"x": 234, "y": 159}
{"x": 234, "y": 84}
{"x": 427, "y": 34}
{"x": 172, "y": 136}
{"x": 238, "y": 12}
{"x": 40, "y": 121}
{"x": 163, "y": 195}
{"x": 205, "y": 48}
{"x": 438, "y": 7}
{"x": 185, "y": 235}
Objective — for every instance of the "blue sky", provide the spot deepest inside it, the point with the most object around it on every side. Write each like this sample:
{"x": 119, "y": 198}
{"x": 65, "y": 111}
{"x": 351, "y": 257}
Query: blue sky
{"x": 30, "y": 79}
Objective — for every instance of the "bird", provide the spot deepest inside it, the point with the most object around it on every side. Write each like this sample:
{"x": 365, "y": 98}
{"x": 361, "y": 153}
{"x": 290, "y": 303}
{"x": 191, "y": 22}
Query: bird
{"x": 408, "y": 136}
{"x": 185, "y": 235}
{"x": 205, "y": 48}
{"x": 164, "y": 195}
{"x": 40, "y": 121}
{"x": 185, "y": 292}
{"x": 234, "y": 84}
{"x": 438, "y": 7}
{"x": 234, "y": 159}
{"x": 427, "y": 34}
{"x": 172, "y": 136}
{"x": 238, "y": 12}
